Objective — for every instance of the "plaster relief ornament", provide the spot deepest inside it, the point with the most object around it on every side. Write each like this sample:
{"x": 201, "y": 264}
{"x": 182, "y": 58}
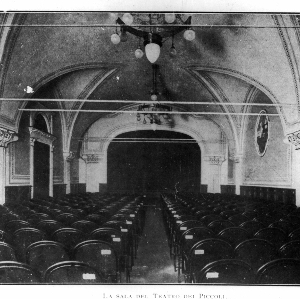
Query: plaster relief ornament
{"x": 262, "y": 132}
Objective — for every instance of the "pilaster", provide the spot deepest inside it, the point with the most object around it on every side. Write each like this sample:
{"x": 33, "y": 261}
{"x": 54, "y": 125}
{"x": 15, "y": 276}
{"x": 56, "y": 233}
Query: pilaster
{"x": 6, "y": 137}
{"x": 212, "y": 171}
{"x": 68, "y": 157}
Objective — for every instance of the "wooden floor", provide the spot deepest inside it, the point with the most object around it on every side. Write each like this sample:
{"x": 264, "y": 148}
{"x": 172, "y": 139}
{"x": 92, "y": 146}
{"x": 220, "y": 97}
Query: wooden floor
{"x": 153, "y": 263}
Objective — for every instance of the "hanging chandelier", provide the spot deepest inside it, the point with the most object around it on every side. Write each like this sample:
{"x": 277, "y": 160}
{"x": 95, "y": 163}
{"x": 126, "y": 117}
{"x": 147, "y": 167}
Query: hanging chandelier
{"x": 160, "y": 28}
{"x": 153, "y": 113}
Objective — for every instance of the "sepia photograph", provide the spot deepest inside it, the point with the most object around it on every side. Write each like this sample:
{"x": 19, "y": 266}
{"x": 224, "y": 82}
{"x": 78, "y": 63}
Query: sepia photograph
{"x": 150, "y": 152}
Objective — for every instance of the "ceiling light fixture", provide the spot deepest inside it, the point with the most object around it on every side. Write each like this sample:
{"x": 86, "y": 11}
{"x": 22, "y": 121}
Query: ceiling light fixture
{"x": 159, "y": 30}
{"x": 154, "y": 113}
{"x": 138, "y": 52}
{"x": 115, "y": 38}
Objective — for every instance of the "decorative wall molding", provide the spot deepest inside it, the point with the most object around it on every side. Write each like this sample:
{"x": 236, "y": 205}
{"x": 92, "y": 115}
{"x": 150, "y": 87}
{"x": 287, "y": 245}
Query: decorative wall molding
{"x": 13, "y": 177}
{"x": 7, "y": 136}
{"x": 288, "y": 48}
{"x": 41, "y": 136}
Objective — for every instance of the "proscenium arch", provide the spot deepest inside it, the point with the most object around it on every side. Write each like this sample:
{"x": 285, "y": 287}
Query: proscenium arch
{"x": 74, "y": 145}
{"x": 125, "y": 126}
{"x": 131, "y": 127}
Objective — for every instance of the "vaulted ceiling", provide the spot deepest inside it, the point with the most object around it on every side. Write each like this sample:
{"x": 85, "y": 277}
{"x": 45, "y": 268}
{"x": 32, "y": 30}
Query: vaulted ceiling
{"x": 231, "y": 55}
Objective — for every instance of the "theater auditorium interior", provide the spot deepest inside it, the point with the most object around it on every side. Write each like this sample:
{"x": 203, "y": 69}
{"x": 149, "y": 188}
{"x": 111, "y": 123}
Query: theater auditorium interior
{"x": 149, "y": 148}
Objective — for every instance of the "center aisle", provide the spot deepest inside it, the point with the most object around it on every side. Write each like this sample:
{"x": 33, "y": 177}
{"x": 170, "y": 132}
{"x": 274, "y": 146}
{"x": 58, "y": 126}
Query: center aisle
{"x": 153, "y": 263}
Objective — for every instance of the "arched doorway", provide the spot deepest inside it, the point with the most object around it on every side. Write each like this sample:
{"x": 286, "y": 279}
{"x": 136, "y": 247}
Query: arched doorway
{"x": 41, "y": 161}
{"x": 151, "y": 161}
{"x": 41, "y": 169}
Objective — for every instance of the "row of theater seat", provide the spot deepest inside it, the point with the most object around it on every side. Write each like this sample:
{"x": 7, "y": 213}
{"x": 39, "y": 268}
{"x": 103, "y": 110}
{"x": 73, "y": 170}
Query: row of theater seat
{"x": 216, "y": 238}
{"x": 85, "y": 238}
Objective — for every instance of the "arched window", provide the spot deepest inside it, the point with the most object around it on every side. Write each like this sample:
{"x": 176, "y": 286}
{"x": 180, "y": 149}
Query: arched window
{"x": 40, "y": 123}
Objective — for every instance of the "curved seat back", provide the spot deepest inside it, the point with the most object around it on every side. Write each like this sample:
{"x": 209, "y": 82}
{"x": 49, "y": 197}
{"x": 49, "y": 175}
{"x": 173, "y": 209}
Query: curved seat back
{"x": 280, "y": 271}
{"x": 255, "y": 252}
{"x": 14, "y": 272}
{"x": 72, "y": 272}
{"x": 225, "y": 271}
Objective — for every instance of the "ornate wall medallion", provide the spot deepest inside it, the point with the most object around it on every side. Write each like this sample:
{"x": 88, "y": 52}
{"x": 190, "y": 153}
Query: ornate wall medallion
{"x": 262, "y": 132}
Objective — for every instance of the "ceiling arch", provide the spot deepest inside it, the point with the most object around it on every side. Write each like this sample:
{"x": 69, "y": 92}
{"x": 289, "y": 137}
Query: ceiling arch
{"x": 88, "y": 66}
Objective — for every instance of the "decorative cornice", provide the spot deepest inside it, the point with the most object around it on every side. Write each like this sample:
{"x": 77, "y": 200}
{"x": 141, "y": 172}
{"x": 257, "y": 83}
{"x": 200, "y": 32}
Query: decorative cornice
{"x": 41, "y": 136}
{"x": 236, "y": 158}
{"x": 92, "y": 158}
{"x": 214, "y": 160}
{"x": 32, "y": 141}
{"x": 7, "y": 136}
{"x": 69, "y": 156}
{"x": 293, "y": 138}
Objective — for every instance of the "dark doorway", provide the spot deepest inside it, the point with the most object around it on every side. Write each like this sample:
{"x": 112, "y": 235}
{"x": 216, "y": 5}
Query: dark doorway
{"x": 147, "y": 161}
{"x": 41, "y": 169}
